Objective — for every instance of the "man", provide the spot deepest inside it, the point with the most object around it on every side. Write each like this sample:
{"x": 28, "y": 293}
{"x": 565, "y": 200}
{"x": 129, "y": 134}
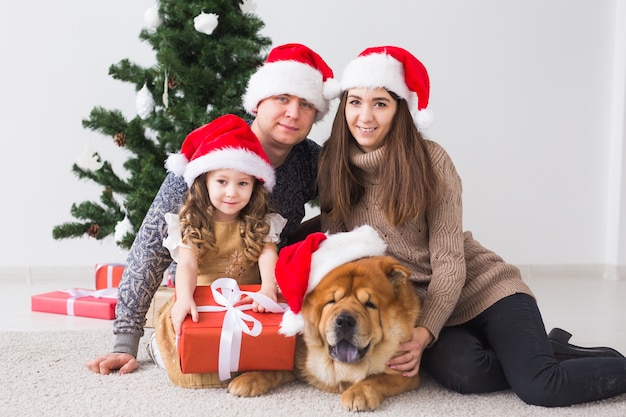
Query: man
{"x": 289, "y": 93}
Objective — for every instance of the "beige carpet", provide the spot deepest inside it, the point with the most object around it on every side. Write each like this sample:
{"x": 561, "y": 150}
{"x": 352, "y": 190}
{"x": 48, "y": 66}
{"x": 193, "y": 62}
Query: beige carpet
{"x": 43, "y": 374}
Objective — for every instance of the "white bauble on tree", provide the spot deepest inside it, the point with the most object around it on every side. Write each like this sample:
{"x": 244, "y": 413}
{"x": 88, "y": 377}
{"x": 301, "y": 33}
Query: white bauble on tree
{"x": 151, "y": 17}
{"x": 144, "y": 102}
{"x": 205, "y": 22}
{"x": 122, "y": 228}
{"x": 89, "y": 160}
{"x": 248, "y": 6}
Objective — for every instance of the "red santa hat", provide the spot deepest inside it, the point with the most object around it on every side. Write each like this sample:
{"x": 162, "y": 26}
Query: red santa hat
{"x": 293, "y": 69}
{"x": 301, "y": 266}
{"x": 397, "y": 70}
{"x": 225, "y": 143}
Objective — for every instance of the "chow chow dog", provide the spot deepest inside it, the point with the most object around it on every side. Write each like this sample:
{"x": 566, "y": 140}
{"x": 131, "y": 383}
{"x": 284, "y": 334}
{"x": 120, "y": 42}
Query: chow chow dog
{"x": 354, "y": 320}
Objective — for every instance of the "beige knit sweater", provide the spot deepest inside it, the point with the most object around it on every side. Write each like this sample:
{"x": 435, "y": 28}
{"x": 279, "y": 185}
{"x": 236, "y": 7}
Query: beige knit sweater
{"x": 455, "y": 276}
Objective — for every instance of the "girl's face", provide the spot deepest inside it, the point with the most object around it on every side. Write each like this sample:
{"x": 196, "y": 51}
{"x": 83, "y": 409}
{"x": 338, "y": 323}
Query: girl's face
{"x": 369, "y": 113}
{"x": 229, "y": 192}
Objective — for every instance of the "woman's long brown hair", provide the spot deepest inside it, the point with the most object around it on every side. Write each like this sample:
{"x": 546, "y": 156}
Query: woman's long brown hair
{"x": 408, "y": 184}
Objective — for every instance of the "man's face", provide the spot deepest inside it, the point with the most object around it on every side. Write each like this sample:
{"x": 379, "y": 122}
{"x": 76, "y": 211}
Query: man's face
{"x": 283, "y": 120}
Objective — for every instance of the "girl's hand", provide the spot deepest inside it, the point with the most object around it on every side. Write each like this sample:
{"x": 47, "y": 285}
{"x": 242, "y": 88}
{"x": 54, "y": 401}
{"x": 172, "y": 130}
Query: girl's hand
{"x": 180, "y": 310}
{"x": 410, "y": 353}
{"x": 269, "y": 292}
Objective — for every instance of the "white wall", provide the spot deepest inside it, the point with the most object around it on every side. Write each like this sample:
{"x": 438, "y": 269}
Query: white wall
{"x": 528, "y": 97}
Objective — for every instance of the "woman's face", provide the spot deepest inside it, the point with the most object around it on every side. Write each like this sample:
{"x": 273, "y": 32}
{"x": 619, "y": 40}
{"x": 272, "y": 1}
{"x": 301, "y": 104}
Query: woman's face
{"x": 369, "y": 113}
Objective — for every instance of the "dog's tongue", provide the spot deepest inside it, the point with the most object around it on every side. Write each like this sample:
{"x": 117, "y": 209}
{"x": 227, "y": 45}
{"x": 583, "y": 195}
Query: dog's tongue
{"x": 346, "y": 352}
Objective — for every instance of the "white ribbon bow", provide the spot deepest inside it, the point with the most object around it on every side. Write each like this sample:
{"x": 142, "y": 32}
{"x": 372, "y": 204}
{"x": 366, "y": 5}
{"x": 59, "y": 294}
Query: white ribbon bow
{"x": 80, "y": 293}
{"x": 235, "y": 321}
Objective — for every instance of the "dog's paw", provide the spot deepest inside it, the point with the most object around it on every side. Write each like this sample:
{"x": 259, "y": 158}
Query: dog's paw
{"x": 255, "y": 383}
{"x": 249, "y": 384}
{"x": 361, "y": 397}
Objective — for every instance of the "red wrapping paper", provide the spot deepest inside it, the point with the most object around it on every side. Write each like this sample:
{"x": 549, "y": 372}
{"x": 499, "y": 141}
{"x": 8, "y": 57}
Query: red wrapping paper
{"x": 108, "y": 275}
{"x": 199, "y": 343}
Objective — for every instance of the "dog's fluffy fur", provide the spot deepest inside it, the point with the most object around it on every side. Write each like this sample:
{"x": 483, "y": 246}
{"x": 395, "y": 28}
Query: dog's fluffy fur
{"x": 355, "y": 318}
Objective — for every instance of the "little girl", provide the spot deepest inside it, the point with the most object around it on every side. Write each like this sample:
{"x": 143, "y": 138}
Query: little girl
{"x": 222, "y": 230}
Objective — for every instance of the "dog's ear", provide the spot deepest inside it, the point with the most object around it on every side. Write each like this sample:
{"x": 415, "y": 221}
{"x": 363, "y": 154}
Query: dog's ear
{"x": 397, "y": 273}
{"x": 398, "y": 276}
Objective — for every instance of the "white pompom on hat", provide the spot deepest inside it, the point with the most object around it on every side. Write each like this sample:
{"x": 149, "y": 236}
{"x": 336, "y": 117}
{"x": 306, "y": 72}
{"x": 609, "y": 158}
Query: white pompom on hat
{"x": 302, "y": 265}
{"x": 397, "y": 70}
{"x": 225, "y": 143}
{"x": 296, "y": 70}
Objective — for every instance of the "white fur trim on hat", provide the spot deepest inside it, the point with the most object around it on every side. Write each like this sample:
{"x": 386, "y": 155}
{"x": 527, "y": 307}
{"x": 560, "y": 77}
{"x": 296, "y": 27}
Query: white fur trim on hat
{"x": 376, "y": 71}
{"x": 291, "y": 323}
{"x": 288, "y": 77}
{"x": 231, "y": 158}
{"x": 341, "y": 248}
{"x": 176, "y": 163}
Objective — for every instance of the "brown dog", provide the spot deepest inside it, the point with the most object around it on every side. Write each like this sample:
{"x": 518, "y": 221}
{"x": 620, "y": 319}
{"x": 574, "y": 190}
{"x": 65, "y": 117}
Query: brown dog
{"x": 355, "y": 318}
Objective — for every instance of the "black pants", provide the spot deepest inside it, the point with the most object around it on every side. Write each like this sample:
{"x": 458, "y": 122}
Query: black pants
{"x": 506, "y": 347}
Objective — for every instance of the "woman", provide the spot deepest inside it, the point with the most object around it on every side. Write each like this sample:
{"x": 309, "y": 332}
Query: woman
{"x": 480, "y": 329}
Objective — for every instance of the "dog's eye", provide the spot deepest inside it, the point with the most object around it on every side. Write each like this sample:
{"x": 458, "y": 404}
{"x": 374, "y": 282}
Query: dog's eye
{"x": 330, "y": 302}
{"x": 371, "y": 305}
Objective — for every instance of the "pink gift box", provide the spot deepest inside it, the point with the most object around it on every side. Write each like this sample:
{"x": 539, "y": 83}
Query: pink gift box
{"x": 77, "y": 302}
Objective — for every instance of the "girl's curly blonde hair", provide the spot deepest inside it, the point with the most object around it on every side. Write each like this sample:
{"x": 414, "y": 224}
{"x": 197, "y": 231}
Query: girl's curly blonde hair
{"x": 197, "y": 226}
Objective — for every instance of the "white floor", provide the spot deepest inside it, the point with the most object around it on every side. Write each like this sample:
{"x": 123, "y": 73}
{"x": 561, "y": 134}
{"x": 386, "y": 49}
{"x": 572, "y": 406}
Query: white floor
{"x": 592, "y": 309}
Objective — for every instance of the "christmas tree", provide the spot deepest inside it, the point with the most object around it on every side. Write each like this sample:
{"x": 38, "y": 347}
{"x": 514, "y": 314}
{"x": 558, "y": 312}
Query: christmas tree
{"x": 205, "y": 53}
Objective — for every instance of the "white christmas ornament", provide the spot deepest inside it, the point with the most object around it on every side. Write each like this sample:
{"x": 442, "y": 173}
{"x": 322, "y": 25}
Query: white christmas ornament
{"x": 205, "y": 22}
{"x": 122, "y": 228}
{"x": 152, "y": 18}
{"x": 166, "y": 95}
{"x": 144, "y": 102}
{"x": 248, "y": 6}
{"x": 89, "y": 160}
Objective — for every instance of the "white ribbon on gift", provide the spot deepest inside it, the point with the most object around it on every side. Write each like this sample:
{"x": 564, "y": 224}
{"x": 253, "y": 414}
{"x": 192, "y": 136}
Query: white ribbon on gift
{"x": 110, "y": 268}
{"x": 235, "y": 319}
{"x": 76, "y": 293}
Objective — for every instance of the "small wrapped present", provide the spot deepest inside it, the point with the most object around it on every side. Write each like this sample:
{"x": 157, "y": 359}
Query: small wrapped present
{"x": 226, "y": 339}
{"x": 78, "y": 302}
{"x": 161, "y": 297}
{"x": 108, "y": 275}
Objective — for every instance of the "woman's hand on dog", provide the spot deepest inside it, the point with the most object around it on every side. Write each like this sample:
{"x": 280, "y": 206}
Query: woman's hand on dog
{"x": 408, "y": 362}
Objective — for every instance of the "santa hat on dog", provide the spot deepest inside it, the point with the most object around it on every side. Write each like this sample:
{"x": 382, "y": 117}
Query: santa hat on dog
{"x": 225, "y": 143}
{"x": 302, "y": 266}
{"x": 296, "y": 70}
{"x": 397, "y": 70}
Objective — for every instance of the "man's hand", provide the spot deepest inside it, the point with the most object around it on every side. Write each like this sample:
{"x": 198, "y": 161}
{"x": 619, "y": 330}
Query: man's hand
{"x": 124, "y": 362}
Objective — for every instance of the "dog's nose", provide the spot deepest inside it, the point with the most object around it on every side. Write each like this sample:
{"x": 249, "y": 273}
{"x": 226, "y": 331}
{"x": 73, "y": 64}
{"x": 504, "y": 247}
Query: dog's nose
{"x": 345, "y": 322}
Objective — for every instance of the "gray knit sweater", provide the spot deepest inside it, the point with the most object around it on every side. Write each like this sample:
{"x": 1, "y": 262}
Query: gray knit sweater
{"x": 148, "y": 258}
{"x": 455, "y": 276}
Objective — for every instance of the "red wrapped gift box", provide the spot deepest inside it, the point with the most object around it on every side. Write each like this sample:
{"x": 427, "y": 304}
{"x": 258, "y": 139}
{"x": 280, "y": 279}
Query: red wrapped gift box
{"x": 108, "y": 275}
{"x": 199, "y": 344}
{"x": 76, "y": 302}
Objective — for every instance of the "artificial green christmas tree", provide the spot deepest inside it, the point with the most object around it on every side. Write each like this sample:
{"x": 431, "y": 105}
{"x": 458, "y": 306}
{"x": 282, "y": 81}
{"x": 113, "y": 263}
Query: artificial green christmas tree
{"x": 205, "y": 53}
